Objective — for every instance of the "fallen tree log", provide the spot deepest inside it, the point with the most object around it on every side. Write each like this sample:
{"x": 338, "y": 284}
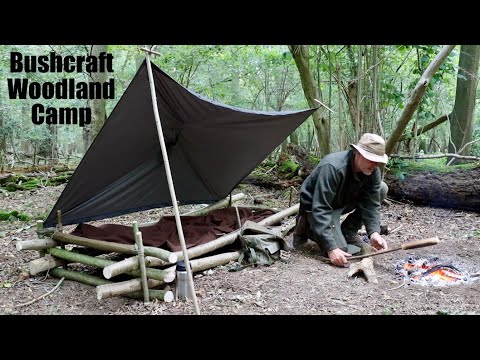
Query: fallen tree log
{"x": 459, "y": 189}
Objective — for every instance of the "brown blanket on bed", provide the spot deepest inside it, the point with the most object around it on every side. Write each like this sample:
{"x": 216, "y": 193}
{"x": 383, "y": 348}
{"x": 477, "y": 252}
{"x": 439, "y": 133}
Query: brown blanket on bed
{"x": 196, "y": 229}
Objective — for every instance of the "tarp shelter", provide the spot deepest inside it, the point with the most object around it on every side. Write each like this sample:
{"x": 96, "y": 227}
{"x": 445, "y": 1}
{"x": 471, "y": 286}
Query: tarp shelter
{"x": 211, "y": 148}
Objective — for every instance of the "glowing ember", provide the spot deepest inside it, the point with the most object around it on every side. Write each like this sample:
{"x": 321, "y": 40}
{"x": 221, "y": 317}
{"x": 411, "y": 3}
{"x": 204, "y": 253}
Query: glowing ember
{"x": 431, "y": 272}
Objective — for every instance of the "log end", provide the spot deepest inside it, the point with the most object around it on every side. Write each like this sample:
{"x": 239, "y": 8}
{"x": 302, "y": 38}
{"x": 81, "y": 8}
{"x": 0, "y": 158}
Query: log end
{"x": 19, "y": 246}
{"x": 169, "y": 276}
{"x": 173, "y": 258}
{"x": 107, "y": 273}
{"x": 168, "y": 297}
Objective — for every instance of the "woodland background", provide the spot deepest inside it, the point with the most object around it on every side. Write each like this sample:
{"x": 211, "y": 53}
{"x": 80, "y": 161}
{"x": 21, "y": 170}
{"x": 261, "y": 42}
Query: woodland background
{"x": 366, "y": 87}
{"x": 421, "y": 98}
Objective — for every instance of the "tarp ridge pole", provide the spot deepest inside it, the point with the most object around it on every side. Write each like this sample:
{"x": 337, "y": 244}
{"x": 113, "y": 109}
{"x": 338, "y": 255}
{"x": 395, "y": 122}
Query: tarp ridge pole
{"x": 170, "y": 183}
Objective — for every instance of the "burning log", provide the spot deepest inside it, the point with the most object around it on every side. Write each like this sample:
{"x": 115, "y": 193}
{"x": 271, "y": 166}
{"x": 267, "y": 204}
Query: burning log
{"x": 431, "y": 272}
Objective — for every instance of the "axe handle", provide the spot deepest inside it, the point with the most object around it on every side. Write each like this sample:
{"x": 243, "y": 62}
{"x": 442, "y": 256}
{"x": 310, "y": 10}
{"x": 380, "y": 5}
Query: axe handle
{"x": 409, "y": 245}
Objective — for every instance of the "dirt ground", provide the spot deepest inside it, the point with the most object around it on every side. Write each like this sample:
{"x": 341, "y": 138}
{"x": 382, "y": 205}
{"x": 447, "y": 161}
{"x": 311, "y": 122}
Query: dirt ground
{"x": 302, "y": 286}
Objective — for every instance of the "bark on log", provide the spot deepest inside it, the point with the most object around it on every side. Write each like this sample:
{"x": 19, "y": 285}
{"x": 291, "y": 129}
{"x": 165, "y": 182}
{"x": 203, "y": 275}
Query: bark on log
{"x": 165, "y": 295}
{"x": 112, "y": 289}
{"x": 71, "y": 256}
{"x": 210, "y": 261}
{"x": 130, "y": 264}
{"x": 36, "y": 244}
{"x": 43, "y": 264}
{"x": 115, "y": 247}
{"x": 457, "y": 190}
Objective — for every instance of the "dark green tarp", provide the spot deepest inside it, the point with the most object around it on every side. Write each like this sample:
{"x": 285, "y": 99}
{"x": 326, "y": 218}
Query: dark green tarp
{"x": 211, "y": 148}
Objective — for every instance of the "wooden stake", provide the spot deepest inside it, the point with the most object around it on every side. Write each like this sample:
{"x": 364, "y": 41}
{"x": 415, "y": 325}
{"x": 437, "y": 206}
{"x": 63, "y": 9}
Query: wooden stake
{"x": 141, "y": 260}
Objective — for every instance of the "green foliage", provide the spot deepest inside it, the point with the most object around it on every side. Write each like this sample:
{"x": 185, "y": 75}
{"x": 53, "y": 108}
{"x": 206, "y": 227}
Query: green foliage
{"x": 13, "y": 215}
{"x": 402, "y": 167}
{"x": 289, "y": 166}
{"x": 475, "y": 147}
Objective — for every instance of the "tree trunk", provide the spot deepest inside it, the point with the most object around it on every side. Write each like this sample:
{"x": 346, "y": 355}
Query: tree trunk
{"x": 91, "y": 130}
{"x": 462, "y": 116}
{"x": 416, "y": 96}
{"x": 457, "y": 189}
{"x": 311, "y": 91}
{"x": 54, "y": 143}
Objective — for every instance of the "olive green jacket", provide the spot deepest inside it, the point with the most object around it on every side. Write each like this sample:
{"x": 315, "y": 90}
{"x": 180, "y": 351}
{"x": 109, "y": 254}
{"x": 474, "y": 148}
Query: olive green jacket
{"x": 333, "y": 185}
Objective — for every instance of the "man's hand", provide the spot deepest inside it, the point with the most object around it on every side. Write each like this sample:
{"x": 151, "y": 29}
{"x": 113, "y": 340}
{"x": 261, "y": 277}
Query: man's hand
{"x": 338, "y": 257}
{"x": 378, "y": 242}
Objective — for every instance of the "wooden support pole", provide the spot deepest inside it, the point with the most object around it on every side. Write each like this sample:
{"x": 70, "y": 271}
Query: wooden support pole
{"x": 141, "y": 260}
{"x": 165, "y": 295}
{"x": 39, "y": 225}
{"x": 165, "y": 255}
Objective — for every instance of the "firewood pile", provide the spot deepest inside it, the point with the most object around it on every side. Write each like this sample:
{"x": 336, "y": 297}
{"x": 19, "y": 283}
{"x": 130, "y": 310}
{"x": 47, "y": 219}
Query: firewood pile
{"x": 147, "y": 272}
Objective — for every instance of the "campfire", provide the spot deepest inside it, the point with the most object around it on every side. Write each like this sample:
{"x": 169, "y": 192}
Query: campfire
{"x": 432, "y": 272}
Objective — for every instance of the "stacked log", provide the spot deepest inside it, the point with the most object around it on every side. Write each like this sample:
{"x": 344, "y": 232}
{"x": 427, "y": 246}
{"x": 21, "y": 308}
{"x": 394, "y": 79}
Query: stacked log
{"x": 148, "y": 267}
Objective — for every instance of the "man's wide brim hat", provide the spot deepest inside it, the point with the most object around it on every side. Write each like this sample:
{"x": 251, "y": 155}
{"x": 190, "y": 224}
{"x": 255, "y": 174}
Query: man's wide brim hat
{"x": 372, "y": 147}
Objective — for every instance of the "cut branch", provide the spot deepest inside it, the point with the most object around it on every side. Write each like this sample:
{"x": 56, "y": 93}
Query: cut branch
{"x": 71, "y": 256}
{"x": 165, "y": 295}
{"x": 115, "y": 247}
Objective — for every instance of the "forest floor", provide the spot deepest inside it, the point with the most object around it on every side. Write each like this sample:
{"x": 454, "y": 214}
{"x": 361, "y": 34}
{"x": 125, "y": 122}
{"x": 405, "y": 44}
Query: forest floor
{"x": 302, "y": 286}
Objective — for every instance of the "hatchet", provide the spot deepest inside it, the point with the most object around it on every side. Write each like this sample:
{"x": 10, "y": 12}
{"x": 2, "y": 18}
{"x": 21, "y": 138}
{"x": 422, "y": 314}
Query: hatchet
{"x": 407, "y": 246}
